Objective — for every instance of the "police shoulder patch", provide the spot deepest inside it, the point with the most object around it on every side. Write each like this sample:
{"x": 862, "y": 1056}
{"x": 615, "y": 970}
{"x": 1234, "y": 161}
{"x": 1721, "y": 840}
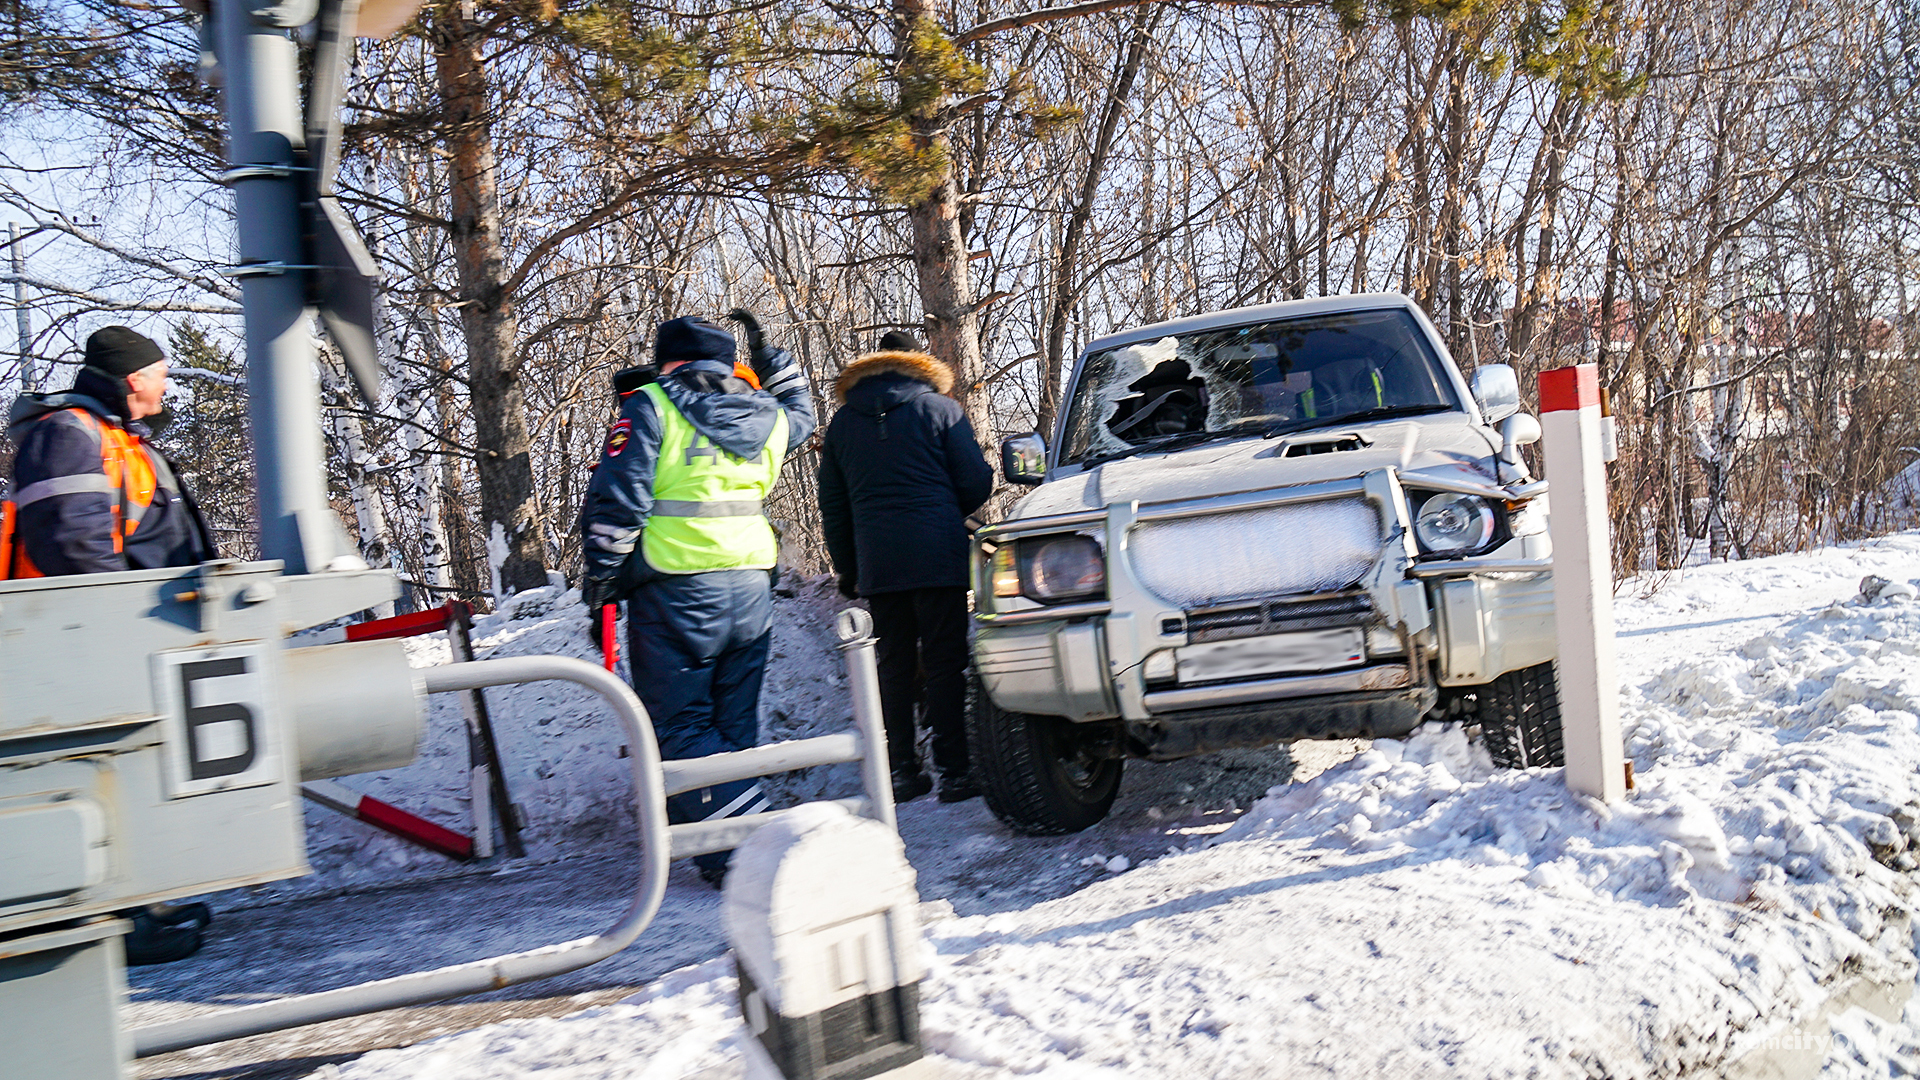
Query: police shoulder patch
{"x": 618, "y": 438}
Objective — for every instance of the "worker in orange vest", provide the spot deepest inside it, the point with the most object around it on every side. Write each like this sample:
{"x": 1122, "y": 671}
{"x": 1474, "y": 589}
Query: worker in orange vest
{"x": 90, "y": 492}
{"x": 91, "y": 495}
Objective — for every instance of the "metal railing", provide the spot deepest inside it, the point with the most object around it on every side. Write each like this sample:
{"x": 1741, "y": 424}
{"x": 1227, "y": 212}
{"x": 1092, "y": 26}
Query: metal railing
{"x": 653, "y": 781}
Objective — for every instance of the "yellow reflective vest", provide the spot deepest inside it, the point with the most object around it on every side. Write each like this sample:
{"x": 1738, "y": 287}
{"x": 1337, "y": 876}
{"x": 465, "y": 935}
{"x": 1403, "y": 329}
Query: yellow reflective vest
{"x": 708, "y": 505}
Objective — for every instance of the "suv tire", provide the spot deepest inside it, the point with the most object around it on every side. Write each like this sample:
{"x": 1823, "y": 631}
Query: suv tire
{"x": 1035, "y": 771}
{"x": 1519, "y": 715}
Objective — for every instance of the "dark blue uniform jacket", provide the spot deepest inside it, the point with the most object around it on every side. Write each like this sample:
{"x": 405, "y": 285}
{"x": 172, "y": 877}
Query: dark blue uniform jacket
{"x": 73, "y": 533}
{"x": 736, "y": 417}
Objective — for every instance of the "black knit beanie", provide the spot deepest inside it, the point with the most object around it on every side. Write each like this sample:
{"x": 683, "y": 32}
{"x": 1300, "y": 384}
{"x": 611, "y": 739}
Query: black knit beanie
{"x": 899, "y": 341}
{"x": 691, "y": 337}
{"x": 119, "y": 351}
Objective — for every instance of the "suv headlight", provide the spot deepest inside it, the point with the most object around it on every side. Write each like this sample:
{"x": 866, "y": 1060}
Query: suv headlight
{"x": 1049, "y": 569}
{"x": 1452, "y": 524}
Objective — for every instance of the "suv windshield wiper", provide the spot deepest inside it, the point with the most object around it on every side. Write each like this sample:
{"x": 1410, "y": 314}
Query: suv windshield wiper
{"x": 1385, "y": 412}
{"x": 1167, "y": 442}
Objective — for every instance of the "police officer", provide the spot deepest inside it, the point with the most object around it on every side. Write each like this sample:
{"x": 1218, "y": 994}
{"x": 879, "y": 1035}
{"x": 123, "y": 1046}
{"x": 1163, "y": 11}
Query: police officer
{"x": 674, "y": 523}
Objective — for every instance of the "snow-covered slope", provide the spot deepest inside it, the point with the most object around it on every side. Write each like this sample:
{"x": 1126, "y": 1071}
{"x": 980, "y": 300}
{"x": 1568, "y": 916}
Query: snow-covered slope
{"x": 1414, "y": 913}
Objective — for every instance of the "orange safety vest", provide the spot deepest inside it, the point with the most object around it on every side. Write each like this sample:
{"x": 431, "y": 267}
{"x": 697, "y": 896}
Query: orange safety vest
{"x": 127, "y": 470}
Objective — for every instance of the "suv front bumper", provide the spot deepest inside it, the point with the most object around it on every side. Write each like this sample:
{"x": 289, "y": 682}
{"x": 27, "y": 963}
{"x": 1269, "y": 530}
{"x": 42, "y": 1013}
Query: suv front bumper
{"x": 1436, "y": 624}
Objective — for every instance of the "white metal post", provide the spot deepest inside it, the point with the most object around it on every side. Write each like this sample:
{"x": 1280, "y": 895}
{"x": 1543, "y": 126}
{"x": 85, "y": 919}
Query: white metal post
{"x": 855, "y": 628}
{"x": 1582, "y": 581}
{"x": 821, "y": 909}
{"x": 479, "y": 786}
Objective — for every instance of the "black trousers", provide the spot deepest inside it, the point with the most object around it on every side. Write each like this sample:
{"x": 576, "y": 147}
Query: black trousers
{"x": 923, "y": 630}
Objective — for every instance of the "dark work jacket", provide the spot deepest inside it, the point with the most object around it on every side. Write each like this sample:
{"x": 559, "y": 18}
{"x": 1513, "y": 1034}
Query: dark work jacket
{"x": 73, "y": 533}
{"x": 728, "y": 411}
{"x": 899, "y": 475}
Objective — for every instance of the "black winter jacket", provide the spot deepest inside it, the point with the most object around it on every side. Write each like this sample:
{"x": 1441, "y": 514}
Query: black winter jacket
{"x": 72, "y": 532}
{"x": 899, "y": 475}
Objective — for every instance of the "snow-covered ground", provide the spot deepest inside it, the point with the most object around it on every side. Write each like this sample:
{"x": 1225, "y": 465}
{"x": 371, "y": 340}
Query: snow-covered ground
{"x": 1408, "y": 912}
{"x": 377, "y": 907}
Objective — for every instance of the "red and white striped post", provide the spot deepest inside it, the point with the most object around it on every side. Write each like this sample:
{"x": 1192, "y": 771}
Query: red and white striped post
{"x": 1570, "y": 429}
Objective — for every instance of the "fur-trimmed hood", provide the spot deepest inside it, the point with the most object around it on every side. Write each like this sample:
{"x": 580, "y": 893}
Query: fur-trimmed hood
{"x": 914, "y": 365}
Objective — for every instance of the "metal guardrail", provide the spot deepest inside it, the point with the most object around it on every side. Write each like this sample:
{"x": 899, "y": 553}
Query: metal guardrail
{"x": 1356, "y": 680}
{"x": 660, "y": 842}
{"x": 1263, "y": 499}
{"x": 1077, "y": 519}
{"x": 1251, "y": 500}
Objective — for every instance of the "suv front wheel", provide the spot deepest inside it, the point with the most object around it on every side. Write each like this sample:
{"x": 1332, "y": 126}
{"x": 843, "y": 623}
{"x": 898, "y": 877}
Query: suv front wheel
{"x": 1041, "y": 775}
{"x": 1519, "y": 715}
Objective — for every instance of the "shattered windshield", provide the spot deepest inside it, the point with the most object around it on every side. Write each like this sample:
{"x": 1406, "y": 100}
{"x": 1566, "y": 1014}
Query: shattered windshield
{"x": 1294, "y": 373}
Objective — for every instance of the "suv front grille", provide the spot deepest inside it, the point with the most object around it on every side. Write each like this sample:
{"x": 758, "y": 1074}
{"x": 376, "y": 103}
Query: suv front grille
{"x": 1279, "y": 615}
{"x": 1214, "y": 560}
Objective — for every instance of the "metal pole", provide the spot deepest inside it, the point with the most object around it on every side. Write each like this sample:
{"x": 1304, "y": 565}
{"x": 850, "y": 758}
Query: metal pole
{"x": 855, "y": 628}
{"x": 29, "y": 379}
{"x": 650, "y": 807}
{"x": 499, "y": 799}
{"x": 264, "y": 130}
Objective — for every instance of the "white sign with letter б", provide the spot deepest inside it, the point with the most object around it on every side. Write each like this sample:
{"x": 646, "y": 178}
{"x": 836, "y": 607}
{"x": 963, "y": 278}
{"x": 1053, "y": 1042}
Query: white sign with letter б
{"x": 214, "y": 705}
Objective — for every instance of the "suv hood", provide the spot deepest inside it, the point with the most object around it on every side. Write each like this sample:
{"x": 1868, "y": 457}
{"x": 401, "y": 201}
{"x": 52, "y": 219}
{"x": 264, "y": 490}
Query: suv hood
{"x": 1447, "y": 446}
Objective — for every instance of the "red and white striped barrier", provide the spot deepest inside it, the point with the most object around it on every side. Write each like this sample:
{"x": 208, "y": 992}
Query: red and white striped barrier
{"x": 1571, "y": 434}
{"x": 487, "y": 784}
{"x": 429, "y": 621}
{"x": 389, "y": 818}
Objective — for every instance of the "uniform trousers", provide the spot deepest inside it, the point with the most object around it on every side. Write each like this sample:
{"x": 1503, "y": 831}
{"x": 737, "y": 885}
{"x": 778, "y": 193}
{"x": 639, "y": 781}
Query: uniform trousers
{"x": 697, "y": 645}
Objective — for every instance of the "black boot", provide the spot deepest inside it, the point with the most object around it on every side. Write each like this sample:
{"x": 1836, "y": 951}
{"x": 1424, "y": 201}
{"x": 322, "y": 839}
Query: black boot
{"x": 153, "y": 941}
{"x": 200, "y": 915}
{"x": 909, "y": 784}
{"x": 958, "y": 786}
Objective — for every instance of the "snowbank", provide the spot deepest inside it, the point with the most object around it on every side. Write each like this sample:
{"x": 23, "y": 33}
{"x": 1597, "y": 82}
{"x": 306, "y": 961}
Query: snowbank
{"x": 1413, "y": 912}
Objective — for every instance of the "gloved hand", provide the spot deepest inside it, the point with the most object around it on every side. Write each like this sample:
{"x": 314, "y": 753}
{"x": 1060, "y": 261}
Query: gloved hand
{"x": 596, "y": 593}
{"x": 756, "y": 338}
{"x": 849, "y": 587}
{"x": 765, "y": 359}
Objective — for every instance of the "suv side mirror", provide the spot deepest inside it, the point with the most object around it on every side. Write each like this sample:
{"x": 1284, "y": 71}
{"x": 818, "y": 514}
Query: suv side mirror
{"x": 1496, "y": 389}
{"x": 1023, "y": 459}
{"x": 1516, "y": 431}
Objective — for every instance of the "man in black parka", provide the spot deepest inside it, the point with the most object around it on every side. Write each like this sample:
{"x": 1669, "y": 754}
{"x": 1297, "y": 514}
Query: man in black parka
{"x": 899, "y": 474}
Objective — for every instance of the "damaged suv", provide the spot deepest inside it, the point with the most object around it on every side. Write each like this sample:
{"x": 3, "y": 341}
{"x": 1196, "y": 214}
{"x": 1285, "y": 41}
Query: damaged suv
{"x": 1294, "y": 521}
